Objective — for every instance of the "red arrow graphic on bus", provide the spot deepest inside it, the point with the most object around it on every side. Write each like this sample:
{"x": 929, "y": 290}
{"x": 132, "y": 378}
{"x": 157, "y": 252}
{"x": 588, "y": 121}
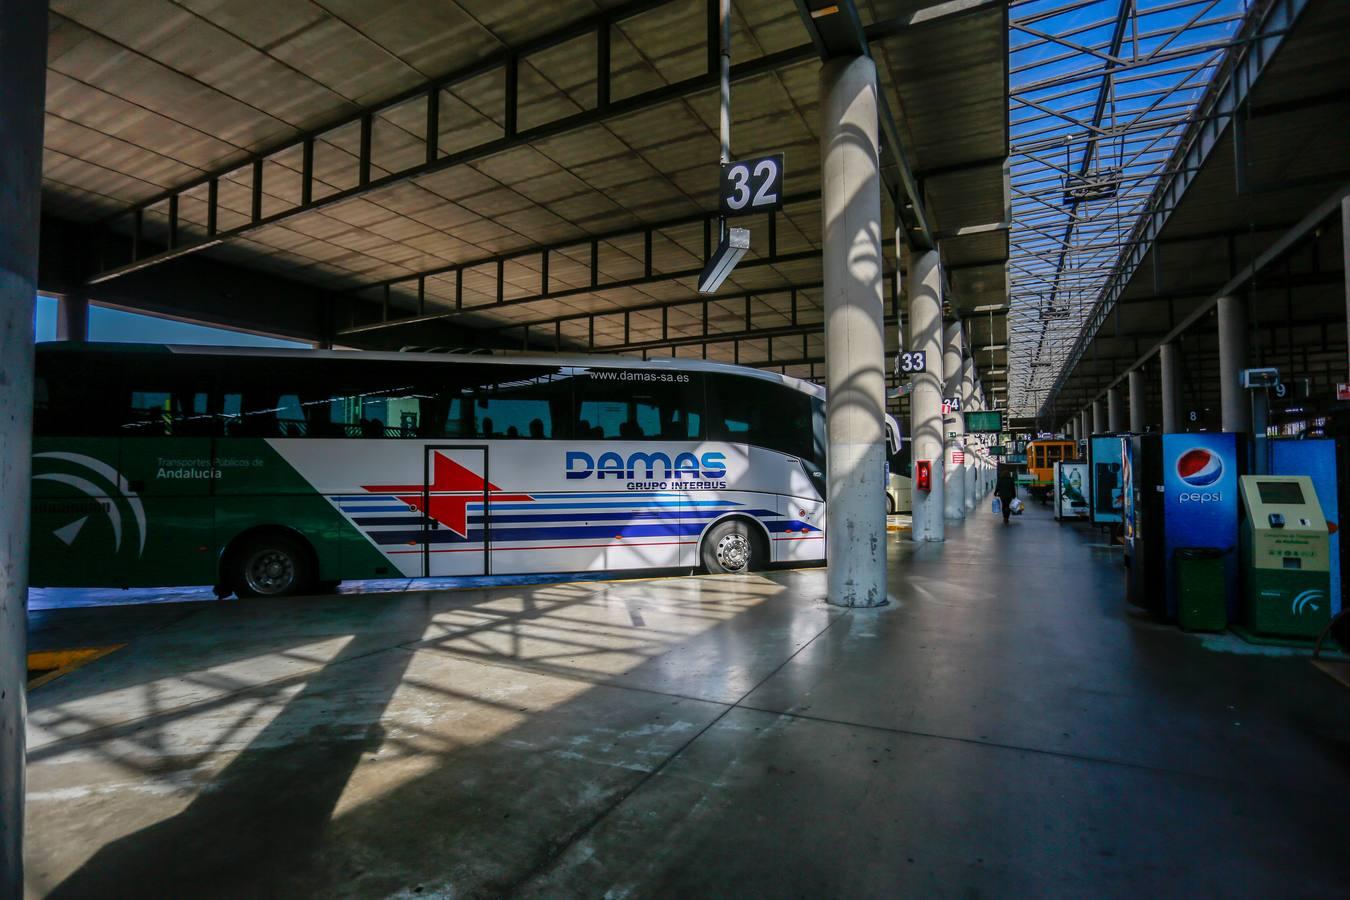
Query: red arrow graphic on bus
{"x": 452, "y": 489}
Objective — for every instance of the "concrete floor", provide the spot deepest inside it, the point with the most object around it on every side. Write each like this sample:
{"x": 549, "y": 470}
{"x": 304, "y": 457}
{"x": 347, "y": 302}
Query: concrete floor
{"x": 1005, "y": 727}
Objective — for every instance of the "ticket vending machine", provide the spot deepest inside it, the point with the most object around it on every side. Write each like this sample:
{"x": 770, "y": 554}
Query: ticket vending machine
{"x": 1286, "y": 556}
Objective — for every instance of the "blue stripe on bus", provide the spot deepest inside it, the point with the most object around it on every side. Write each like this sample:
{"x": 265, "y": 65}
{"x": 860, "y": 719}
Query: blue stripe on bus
{"x": 555, "y": 517}
{"x": 672, "y": 504}
{"x": 677, "y": 529}
{"x": 444, "y": 536}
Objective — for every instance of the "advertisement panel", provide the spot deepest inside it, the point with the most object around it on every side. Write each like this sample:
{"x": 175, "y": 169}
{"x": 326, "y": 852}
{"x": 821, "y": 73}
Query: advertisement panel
{"x": 1317, "y": 460}
{"x": 1071, "y": 490}
{"x": 1106, "y": 481}
{"x": 1200, "y": 491}
{"x": 1127, "y": 505}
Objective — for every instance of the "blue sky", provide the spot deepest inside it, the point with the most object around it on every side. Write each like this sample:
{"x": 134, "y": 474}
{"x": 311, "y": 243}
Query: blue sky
{"x": 124, "y": 327}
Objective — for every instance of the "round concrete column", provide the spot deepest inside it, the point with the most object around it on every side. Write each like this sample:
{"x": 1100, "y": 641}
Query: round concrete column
{"x": 1138, "y": 402}
{"x": 953, "y": 426}
{"x": 925, "y": 401}
{"x": 72, "y": 318}
{"x": 1099, "y": 425}
{"x": 1085, "y": 424}
{"x": 23, "y": 70}
{"x": 1169, "y": 364}
{"x": 1115, "y": 409}
{"x": 1234, "y": 405}
{"x": 855, "y": 530}
{"x": 1345, "y": 257}
{"x": 968, "y": 402}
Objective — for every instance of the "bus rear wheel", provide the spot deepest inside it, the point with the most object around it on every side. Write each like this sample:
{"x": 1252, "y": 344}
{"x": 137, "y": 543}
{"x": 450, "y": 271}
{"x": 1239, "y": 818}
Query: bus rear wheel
{"x": 731, "y": 548}
{"x": 271, "y": 565}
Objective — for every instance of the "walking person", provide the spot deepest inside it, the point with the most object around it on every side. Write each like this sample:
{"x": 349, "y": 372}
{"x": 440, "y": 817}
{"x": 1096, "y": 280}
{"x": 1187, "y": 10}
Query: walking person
{"x": 1005, "y": 490}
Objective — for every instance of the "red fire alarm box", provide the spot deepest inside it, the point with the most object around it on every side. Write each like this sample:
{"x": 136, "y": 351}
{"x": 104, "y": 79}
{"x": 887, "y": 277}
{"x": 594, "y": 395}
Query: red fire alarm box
{"x": 923, "y": 475}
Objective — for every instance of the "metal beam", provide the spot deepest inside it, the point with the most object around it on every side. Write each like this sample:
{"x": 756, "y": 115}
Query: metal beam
{"x": 504, "y": 61}
{"x": 644, "y": 232}
{"x": 594, "y": 288}
{"x": 1326, "y": 209}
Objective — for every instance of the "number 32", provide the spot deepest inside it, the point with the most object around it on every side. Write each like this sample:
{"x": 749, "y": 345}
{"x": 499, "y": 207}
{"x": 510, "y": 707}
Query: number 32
{"x": 766, "y": 174}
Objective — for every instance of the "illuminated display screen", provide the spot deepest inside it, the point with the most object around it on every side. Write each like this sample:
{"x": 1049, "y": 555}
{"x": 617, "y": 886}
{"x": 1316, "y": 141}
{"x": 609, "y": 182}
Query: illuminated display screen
{"x": 989, "y": 422}
{"x": 1279, "y": 491}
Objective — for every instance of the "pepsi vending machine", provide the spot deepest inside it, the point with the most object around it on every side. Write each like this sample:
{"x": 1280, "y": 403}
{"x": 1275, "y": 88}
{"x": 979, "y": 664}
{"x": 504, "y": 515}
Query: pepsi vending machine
{"x": 1184, "y": 493}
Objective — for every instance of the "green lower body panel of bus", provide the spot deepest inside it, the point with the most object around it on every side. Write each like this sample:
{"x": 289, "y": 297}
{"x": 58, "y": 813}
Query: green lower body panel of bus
{"x": 141, "y": 512}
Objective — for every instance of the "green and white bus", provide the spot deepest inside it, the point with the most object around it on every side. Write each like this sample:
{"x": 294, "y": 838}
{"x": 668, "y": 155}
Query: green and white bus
{"x": 268, "y": 472}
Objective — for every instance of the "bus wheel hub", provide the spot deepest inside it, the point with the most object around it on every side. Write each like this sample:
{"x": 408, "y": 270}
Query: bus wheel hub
{"x": 271, "y": 571}
{"x": 733, "y": 551}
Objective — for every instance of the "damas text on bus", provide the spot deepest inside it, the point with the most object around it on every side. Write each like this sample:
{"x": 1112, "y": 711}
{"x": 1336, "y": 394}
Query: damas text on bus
{"x": 663, "y": 471}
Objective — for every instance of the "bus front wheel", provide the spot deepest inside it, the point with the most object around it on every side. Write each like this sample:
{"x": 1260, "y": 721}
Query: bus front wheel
{"x": 271, "y": 564}
{"x": 731, "y": 549}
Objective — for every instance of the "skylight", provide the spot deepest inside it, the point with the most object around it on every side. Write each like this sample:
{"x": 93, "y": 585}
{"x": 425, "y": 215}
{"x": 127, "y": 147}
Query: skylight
{"x": 1100, "y": 94}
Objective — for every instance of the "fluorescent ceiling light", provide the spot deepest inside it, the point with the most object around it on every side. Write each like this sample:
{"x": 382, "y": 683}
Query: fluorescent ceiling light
{"x": 729, "y": 252}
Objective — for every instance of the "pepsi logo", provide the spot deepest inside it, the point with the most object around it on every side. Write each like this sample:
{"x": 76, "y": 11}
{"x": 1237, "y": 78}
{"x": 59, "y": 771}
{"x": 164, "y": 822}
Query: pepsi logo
{"x": 1199, "y": 467}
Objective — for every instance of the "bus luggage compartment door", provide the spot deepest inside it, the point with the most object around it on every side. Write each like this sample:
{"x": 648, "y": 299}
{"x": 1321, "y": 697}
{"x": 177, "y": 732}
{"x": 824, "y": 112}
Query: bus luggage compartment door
{"x": 456, "y": 533}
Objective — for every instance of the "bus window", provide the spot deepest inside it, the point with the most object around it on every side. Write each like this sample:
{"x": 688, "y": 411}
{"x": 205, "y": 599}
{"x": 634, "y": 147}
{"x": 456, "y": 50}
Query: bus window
{"x": 639, "y": 410}
{"x": 750, "y": 410}
{"x": 519, "y": 402}
{"x": 167, "y": 396}
{"x": 174, "y": 412}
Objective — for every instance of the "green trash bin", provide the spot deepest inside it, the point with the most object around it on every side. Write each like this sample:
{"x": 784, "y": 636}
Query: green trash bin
{"x": 1201, "y": 605}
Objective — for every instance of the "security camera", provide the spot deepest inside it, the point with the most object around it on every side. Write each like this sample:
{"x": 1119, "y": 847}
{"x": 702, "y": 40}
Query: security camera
{"x": 730, "y": 249}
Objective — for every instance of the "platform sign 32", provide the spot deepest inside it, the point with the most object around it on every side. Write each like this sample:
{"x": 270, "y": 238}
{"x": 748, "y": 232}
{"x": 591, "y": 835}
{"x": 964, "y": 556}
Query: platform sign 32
{"x": 751, "y": 186}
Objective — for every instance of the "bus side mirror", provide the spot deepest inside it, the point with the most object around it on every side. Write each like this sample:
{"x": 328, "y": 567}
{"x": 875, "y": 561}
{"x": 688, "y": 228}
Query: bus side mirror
{"x": 923, "y": 475}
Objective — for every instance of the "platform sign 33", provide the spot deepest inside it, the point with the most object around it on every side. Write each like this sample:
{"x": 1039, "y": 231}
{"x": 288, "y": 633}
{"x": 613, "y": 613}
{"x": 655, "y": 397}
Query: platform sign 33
{"x": 911, "y": 362}
{"x": 751, "y": 186}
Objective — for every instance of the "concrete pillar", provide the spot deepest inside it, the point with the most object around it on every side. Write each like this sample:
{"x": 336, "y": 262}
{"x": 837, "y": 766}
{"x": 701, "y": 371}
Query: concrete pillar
{"x": 1085, "y": 424}
{"x": 954, "y": 486}
{"x": 968, "y": 402}
{"x": 1115, "y": 409}
{"x": 1345, "y": 253}
{"x": 855, "y": 531}
{"x": 23, "y": 71}
{"x": 925, "y": 400}
{"x": 1235, "y": 406}
{"x": 1170, "y": 382}
{"x": 72, "y": 317}
{"x": 1138, "y": 402}
{"x": 1099, "y": 425}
